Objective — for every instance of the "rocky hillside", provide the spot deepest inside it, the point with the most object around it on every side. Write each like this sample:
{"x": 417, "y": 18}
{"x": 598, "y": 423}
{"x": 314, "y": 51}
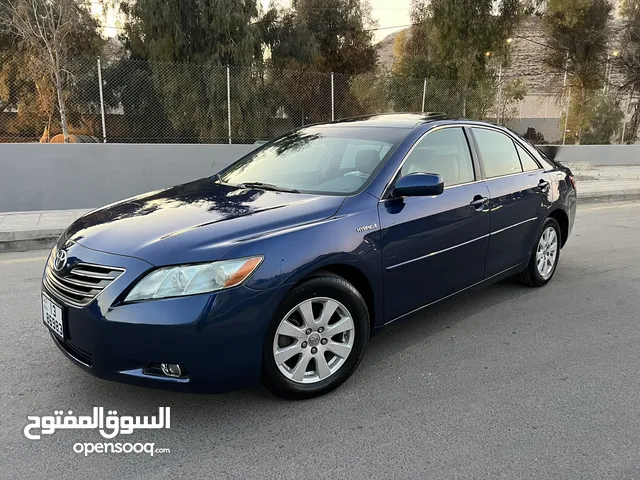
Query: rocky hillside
{"x": 527, "y": 52}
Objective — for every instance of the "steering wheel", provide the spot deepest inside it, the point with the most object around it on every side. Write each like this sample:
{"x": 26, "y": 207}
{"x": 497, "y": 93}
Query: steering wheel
{"x": 357, "y": 173}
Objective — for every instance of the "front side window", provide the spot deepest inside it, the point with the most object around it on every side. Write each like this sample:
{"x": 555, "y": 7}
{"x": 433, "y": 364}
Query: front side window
{"x": 324, "y": 160}
{"x": 498, "y": 153}
{"x": 445, "y": 152}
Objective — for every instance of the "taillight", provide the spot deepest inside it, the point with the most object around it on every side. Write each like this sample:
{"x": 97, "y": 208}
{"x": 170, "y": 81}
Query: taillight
{"x": 573, "y": 182}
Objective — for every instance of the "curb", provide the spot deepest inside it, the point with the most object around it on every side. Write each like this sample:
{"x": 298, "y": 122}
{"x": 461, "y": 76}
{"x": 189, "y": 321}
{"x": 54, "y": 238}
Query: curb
{"x": 622, "y": 196}
{"x": 26, "y": 240}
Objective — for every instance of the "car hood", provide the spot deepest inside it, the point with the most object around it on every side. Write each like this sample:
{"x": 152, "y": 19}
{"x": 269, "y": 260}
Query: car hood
{"x": 196, "y": 221}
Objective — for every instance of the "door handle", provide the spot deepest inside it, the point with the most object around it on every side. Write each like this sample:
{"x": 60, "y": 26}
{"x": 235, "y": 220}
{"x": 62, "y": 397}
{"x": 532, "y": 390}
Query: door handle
{"x": 543, "y": 185}
{"x": 479, "y": 202}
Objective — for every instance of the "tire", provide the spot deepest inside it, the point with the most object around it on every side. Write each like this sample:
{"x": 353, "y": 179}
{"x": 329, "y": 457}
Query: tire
{"x": 533, "y": 275}
{"x": 288, "y": 335}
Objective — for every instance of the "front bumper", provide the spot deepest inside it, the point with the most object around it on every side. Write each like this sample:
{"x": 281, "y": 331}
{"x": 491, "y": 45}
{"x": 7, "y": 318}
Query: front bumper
{"x": 217, "y": 338}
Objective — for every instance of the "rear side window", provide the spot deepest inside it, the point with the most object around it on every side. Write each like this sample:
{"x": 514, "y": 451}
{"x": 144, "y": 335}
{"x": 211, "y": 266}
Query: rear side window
{"x": 498, "y": 152}
{"x": 445, "y": 152}
{"x": 527, "y": 161}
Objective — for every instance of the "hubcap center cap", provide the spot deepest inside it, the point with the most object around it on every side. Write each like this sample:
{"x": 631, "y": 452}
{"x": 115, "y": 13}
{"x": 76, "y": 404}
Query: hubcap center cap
{"x": 314, "y": 339}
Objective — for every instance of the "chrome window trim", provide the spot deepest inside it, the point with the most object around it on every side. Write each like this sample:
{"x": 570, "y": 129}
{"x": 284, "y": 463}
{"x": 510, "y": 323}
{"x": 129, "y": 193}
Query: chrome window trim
{"x": 437, "y": 252}
{"x": 463, "y": 184}
{"x": 488, "y": 179}
{"x": 516, "y": 142}
{"x": 471, "y": 126}
{"x": 462, "y": 126}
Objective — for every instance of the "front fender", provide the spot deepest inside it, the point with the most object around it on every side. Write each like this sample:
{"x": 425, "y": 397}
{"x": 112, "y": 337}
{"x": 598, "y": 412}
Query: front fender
{"x": 290, "y": 255}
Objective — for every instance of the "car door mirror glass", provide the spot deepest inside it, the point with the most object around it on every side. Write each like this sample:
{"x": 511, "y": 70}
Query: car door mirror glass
{"x": 419, "y": 185}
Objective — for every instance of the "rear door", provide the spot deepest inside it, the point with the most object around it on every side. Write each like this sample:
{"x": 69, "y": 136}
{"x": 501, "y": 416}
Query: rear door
{"x": 519, "y": 190}
{"x": 434, "y": 246}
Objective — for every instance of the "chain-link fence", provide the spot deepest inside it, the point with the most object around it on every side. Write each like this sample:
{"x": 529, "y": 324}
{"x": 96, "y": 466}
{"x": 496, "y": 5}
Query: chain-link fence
{"x": 129, "y": 101}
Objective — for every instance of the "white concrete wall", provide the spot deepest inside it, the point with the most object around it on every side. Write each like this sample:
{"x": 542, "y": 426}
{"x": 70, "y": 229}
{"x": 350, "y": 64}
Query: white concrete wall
{"x": 597, "y": 155}
{"x": 60, "y": 177}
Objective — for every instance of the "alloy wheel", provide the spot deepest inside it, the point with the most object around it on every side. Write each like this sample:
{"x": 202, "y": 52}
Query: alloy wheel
{"x": 547, "y": 252}
{"x": 313, "y": 340}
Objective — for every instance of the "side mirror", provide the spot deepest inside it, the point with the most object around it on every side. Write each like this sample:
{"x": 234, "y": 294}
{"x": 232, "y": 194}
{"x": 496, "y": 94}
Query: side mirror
{"x": 419, "y": 185}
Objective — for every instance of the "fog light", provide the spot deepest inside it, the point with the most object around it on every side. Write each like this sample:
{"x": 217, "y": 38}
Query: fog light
{"x": 171, "y": 369}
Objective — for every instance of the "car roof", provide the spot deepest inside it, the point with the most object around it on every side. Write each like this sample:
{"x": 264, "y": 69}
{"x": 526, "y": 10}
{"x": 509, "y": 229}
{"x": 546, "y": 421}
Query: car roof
{"x": 403, "y": 120}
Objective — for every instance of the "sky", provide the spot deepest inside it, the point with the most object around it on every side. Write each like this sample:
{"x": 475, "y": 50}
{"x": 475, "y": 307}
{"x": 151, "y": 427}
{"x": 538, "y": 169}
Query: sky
{"x": 388, "y": 13}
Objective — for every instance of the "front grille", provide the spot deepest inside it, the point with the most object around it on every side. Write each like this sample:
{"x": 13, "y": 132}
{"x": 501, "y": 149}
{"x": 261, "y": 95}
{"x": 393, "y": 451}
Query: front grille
{"x": 80, "y": 285}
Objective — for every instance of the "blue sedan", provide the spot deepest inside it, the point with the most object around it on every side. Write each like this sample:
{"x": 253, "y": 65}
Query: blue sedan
{"x": 279, "y": 269}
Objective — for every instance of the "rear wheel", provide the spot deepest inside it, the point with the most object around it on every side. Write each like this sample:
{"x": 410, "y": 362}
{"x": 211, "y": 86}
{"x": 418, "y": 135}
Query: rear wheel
{"x": 545, "y": 255}
{"x": 316, "y": 338}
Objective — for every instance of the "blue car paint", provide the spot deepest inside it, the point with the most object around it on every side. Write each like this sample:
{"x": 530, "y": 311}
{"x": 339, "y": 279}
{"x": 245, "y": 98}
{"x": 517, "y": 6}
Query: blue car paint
{"x": 414, "y": 228}
{"x": 219, "y": 337}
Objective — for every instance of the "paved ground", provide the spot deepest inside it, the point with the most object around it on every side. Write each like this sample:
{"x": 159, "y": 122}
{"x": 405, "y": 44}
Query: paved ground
{"x": 508, "y": 382}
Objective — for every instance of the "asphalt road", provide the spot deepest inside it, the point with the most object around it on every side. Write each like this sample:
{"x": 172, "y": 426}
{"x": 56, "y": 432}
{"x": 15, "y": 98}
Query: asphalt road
{"x": 508, "y": 382}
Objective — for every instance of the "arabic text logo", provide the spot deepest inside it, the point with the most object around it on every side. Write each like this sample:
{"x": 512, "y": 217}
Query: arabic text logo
{"x": 109, "y": 426}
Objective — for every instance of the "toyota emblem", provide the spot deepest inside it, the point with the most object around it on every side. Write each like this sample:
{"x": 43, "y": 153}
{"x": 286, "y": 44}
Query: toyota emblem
{"x": 60, "y": 261}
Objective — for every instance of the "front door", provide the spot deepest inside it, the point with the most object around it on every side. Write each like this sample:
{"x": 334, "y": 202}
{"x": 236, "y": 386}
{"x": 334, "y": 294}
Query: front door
{"x": 435, "y": 246}
{"x": 519, "y": 190}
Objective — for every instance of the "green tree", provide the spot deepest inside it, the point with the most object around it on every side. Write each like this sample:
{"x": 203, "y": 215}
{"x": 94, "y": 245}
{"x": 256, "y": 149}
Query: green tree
{"x": 218, "y": 32}
{"x": 199, "y": 38}
{"x": 371, "y": 93}
{"x": 48, "y": 35}
{"x": 597, "y": 119}
{"x": 629, "y": 61}
{"x": 323, "y": 36}
{"x": 316, "y": 37}
{"x": 578, "y": 32}
{"x": 512, "y": 93}
{"x": 448, "y": 44}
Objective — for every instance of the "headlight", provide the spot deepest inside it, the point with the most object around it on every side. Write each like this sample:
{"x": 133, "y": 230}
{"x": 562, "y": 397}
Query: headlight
{"x": 191, "y": 279}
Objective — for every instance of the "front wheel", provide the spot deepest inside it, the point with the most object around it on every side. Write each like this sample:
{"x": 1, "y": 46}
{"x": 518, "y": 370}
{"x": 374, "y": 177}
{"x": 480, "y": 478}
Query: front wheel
{"x": 316, "y": 338}
{"x": 545, "y": 255}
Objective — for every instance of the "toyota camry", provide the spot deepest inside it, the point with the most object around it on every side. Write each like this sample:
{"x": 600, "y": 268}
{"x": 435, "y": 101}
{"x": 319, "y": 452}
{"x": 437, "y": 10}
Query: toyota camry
{"x": 279, "y": 268}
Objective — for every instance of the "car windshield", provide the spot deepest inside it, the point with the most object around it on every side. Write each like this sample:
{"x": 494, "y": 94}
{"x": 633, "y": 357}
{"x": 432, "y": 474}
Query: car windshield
{"x": 334, "y": 160}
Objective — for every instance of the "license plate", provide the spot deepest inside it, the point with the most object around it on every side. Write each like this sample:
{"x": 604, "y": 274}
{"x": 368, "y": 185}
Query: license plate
{"x": 52, "y": 316}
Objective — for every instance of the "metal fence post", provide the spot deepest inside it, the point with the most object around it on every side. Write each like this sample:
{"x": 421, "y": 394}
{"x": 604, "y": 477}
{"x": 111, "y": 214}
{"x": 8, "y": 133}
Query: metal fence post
{"x": 566, "y": 118}
{"x": 424, "y": 93}
{"x": 333, "y": 101}
{"x": 229, "y": 103}
{"x": 521, "y": 102}
{"x": 546, "y": 105}
{"x": 104, "y": 126}
{"x": 500, "y": 94}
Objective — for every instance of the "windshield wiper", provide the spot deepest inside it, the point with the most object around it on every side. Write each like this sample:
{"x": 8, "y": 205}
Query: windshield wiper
{"x": 267, "y": 186}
